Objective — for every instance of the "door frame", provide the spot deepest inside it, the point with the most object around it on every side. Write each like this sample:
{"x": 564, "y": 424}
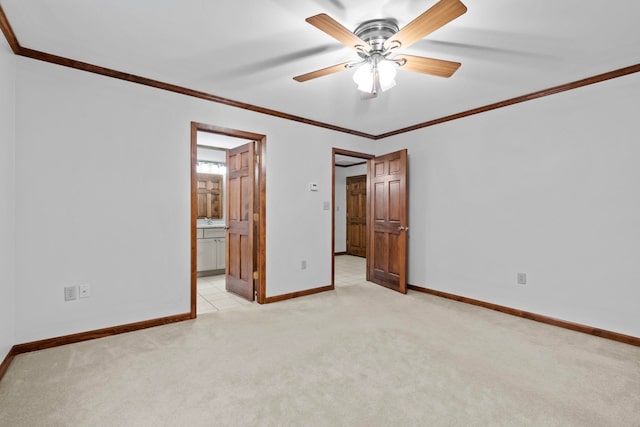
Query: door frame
{"x": 260, "y": 205}
{"x": 359, "y": 155}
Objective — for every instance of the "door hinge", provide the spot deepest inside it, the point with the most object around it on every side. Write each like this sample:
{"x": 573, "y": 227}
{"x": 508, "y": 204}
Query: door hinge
{"x": 257, "y": 158}
{"x": 255, "y": 275}
{"x": 256, "y": 217}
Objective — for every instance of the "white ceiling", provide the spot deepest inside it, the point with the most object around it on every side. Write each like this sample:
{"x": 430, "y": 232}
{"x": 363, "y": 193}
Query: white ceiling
{"x": 249, "y": 50}
{"x": 215, "y": 140}
{"x": 342, "y": 160}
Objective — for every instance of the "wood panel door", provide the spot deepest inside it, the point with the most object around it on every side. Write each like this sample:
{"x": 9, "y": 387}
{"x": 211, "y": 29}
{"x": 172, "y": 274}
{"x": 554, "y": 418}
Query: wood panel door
{"x": 209, "y": 195}
{"x": 240, "y": 232}
{"x": 387, "y": 202}
{"x": 357, "y": 215}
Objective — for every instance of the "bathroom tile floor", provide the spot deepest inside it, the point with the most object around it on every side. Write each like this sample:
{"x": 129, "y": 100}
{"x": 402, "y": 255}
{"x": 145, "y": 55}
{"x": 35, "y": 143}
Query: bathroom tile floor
{"x": 212, "y": 296}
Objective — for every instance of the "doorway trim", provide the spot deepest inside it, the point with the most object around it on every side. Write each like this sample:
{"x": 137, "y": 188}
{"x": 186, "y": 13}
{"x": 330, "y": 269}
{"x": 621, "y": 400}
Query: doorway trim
{"x": 260, "y": 204}
{"x": 359, "y": 155}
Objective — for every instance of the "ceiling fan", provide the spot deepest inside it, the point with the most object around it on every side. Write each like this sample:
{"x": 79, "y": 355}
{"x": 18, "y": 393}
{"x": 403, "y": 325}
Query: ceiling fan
{"x": 377, "y": 42}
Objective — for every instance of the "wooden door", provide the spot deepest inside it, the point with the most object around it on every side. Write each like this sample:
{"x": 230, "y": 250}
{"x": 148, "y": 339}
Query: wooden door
{"x": 240, "y": 232}
{"x": 209, "y": 195}
{"x": 387, "y": 202}
{"x": 357, "y": 215}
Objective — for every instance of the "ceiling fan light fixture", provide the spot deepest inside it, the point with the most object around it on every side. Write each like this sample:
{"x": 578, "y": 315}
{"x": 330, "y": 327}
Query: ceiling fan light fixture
{"x": 376, "y": 42}
{"x": 375, "y": 74}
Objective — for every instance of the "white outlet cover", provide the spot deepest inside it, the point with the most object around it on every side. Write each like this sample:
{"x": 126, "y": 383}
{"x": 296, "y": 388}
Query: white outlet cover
{"x": 85, "y": 291}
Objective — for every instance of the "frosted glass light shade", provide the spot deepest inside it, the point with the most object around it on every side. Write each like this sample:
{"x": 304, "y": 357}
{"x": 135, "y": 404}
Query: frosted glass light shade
{"x": 387, "y": 74}
{"x": 364, "y": 78}
{"x": 370, "y": 78}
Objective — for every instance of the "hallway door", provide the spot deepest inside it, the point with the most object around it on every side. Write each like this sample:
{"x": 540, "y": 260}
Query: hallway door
{"x": 387, "y": 201}
{"x": 357, "y": 215}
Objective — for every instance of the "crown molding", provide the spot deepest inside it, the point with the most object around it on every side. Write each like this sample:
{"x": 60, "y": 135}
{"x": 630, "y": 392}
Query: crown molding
{"x": 96, "y": 69}
{"x": 528, "y": 97}
{"x": 19, "y": 50}
{"x": 5, "y": 26}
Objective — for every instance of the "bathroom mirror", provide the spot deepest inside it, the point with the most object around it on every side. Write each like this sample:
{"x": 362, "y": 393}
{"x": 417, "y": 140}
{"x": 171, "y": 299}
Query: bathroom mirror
{"x": 211, "y": 169}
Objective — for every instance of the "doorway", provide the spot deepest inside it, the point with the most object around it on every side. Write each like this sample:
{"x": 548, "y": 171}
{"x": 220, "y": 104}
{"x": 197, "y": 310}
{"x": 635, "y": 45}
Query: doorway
{"x": 350, "y": 265}
{"x": 244, "y": 154}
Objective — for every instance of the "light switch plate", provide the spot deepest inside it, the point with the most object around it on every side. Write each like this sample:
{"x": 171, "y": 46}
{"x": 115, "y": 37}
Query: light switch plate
{"x": 70, "y": 293}
{"x": 522, "y": 278}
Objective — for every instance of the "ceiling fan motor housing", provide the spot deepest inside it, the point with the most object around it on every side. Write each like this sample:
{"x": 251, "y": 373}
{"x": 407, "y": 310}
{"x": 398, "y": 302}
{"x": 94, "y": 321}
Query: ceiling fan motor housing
{"x": 376, "y": 32}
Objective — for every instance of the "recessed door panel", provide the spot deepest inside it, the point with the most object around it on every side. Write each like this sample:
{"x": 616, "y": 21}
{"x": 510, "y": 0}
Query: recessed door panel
{"x": 246, "y": 198}
{"x": 394, "y": 264}
{"x": 380, "y": 260}
{"x": 379, "y": 202}
{"x": 395, "y": 211}
{"x": 233, "y": 262}
{"x": 395, "y": 167}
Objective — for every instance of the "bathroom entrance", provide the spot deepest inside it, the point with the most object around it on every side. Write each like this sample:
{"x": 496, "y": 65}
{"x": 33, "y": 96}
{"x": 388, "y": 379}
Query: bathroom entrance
{"x": 227, "y": 218}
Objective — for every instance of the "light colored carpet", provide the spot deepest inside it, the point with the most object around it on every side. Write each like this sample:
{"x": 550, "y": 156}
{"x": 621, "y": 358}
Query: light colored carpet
{"x": 359, "y": 356}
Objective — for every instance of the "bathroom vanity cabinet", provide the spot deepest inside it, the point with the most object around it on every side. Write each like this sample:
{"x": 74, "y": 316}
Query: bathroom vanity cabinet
{"x": 211, "y": 249}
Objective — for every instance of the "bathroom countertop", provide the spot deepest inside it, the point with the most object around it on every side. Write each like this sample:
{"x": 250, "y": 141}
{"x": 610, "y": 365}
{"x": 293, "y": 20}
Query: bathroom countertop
{"x": 213, "y": 224}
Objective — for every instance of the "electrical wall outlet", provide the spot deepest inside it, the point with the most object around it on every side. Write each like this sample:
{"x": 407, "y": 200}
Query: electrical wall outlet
{"x": 522, "y": 278}
{"x": 70, "y": 293}
{"x": 85, "y": 291}
{"x": 303, "y": 264}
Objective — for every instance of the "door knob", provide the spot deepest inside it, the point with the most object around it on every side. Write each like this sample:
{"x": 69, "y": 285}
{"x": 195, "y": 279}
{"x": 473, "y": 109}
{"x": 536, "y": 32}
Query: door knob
{"x": 401, "y": 228}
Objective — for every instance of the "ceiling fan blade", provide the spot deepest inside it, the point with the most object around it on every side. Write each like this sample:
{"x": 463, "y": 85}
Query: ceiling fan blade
{"x": 437, "y": 16}
{"x": 333, "y": 28}
{"x": 435, "y": 67}
{"x": 322, "y": 72}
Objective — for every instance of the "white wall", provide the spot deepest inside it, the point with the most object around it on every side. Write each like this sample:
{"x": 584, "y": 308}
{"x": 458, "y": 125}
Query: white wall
{"x": 212, "y": 154}
{"x": 548, "y": 187}
{"x": 93, "y": 207}
{"x": 341, "y": 203}
{"x": 7, "y": 198}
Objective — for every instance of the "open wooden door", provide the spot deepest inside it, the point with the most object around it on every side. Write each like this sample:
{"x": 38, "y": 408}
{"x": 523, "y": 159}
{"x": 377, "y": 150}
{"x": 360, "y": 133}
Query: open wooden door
{"x": 240, "y": 231}
{"x": 357, "y": 215}
{"x": 387, "y": 202}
